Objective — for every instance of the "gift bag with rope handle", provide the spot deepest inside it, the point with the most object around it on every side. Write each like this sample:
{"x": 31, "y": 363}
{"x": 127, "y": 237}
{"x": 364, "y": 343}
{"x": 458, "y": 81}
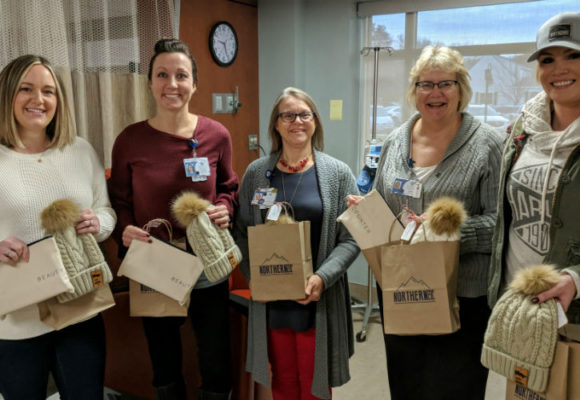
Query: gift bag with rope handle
{"x": 419, "y": 287}
{"x": 161, "y": 269}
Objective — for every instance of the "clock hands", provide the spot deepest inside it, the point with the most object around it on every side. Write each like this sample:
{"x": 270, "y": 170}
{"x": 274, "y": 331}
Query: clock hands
{"x": 224, "y": 44}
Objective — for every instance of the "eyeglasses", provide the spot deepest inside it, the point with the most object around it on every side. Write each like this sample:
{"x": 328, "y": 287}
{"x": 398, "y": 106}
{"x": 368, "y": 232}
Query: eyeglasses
{"x": 288, "y": 116}
{"x": 428, "y": 86}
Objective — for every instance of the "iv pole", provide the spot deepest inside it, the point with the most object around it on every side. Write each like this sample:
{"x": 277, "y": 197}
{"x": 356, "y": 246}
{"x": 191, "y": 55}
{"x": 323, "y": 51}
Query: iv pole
{"x": 365, "y": 52}
{"x": 367, "y": 177}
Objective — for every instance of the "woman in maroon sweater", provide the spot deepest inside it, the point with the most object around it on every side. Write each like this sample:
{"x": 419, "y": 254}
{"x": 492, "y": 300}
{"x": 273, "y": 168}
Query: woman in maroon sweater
{"x": 153, "y": 162}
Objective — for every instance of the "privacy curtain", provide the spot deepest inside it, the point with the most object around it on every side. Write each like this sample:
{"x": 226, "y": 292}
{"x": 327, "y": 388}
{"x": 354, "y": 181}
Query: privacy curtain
{"x": 100, "y": 49}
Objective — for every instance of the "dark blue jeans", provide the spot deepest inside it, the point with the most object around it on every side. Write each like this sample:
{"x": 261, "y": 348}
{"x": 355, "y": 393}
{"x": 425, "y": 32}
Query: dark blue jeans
{"x": 209, "y": 313}
{"x": 74, "y": 355}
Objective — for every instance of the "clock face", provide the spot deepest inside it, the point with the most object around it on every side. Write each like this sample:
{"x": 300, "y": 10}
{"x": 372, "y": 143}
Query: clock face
{"x": 223, "y": 43}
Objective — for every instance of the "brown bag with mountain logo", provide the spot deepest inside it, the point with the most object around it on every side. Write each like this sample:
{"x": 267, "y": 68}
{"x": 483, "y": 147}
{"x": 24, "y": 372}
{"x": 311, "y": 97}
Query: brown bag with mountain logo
{"x": 419, "y": 287}
{"x": 280, "y": 260}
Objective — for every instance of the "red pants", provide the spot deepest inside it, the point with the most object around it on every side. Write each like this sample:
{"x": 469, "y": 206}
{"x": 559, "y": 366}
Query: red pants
{"x": 291, "y": 356}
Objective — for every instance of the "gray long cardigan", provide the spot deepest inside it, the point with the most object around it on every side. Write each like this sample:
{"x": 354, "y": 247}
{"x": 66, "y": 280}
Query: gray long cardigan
{"x": 334, "y": 330}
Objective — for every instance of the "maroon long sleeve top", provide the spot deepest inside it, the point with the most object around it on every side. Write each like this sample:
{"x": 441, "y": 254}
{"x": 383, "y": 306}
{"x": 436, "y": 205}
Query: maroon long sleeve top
{"x": 148, "y": 173}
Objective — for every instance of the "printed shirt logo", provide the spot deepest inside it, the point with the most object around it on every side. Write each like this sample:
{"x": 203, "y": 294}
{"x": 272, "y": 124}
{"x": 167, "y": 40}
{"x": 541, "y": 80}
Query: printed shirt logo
{"x": 524, "y": 192}
{"x": 413, "y": 291}
{"x": 276, "y": 265}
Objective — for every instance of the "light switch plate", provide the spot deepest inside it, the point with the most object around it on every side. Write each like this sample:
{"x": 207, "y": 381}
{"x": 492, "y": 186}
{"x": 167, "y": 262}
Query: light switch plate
{"x": 253, "y": 142}
{"x": 222, "y": 103}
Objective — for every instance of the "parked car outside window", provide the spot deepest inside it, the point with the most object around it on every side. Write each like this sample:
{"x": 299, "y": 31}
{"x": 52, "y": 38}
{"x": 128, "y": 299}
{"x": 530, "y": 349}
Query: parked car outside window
{"x": 492, "y": 118}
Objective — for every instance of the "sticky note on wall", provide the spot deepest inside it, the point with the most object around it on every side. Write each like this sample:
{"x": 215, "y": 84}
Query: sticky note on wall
{"x": 336, "y": 110}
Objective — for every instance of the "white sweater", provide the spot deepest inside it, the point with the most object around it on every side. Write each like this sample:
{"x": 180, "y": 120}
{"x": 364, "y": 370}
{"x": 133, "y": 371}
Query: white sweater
{"x": 28, "y": 183}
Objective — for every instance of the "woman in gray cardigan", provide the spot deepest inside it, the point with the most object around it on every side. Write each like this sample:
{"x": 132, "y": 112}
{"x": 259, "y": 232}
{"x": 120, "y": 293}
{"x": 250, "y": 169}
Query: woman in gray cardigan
{"x": 318, "y": 329}
{"x": 448, "y": 153}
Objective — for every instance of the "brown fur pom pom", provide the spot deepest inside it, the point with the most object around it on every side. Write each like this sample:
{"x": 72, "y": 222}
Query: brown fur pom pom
{"x": 446, "y": 215}
{"x": 535, "y": 279}
{"x": 188, "y": 206}
{"x": 59, "y": 215}
{"x": 283, "y": 219}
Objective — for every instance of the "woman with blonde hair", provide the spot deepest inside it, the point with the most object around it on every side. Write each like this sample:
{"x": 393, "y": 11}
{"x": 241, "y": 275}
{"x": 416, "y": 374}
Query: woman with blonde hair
{"x": 42, "y": 160}
{"x": 445, "y": 151}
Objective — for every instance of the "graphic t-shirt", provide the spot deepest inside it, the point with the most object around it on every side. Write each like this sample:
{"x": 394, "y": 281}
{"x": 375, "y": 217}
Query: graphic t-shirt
{"x": 529, "y": 236}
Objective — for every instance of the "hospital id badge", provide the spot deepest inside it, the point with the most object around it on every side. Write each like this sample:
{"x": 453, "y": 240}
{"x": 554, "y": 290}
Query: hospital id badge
{"x": 407, "y": 187}
{"x": 264, "y": 198}
{"x": 197, "y": 168}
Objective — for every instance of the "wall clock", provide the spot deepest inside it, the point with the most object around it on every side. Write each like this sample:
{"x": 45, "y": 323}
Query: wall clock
{"x": 223, "y": 43}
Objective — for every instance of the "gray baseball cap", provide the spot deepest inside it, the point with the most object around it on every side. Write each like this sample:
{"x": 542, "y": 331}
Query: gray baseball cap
{"x": 560, "y": 30}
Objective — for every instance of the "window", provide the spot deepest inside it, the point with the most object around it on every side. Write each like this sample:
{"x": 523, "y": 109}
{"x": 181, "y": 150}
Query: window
{"x": 393, "y": 36}
{"x": 495, "y": 41}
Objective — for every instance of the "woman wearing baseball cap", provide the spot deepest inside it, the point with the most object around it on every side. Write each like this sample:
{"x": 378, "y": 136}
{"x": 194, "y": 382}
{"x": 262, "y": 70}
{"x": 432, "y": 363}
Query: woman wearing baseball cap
{"x": 538, "y": 209}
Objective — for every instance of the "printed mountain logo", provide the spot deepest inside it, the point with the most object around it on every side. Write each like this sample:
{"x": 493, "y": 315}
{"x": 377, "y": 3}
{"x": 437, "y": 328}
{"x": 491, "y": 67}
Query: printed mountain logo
{"x": 420, "y": 292}
{"x": 276, "y": 265}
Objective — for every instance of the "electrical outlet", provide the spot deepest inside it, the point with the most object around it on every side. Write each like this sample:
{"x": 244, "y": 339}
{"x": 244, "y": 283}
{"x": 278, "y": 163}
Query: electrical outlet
{"x": 253, "y": 142}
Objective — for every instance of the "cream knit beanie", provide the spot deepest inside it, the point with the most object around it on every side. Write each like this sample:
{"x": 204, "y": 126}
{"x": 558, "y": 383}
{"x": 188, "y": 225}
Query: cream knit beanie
{"x": 215, "y": 246}
{"x": 521, "y": 336}
{"x": 82, "y": 258}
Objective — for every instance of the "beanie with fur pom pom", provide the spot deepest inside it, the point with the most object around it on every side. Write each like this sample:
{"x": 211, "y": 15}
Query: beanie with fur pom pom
{"x": 82, "y": 258}
{"x": 521, "y": 336}
{"x": 213, "y": 245}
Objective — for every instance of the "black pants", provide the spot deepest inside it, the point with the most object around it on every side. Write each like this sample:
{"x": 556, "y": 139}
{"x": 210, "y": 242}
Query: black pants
{"x": 74, "y": 355}
{"x": 440, "y": 367}
{"x": 209, "y": 313}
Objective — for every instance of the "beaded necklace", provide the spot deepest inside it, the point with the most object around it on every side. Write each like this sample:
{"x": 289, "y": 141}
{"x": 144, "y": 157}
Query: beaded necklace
{"x": 298, "y": 168}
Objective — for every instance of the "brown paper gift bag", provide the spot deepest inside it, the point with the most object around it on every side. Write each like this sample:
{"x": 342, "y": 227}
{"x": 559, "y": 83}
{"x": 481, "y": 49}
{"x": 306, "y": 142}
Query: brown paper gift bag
{"x": 558, "y": 384}
{"x": 162, "y": 266}
{"x": 27, "y": 283}
{"x": 60, "y": 315}
{"x": 368, "y": 222}
{"x": 419, "y": 287}
{"x": 147, "y": 302}
{"x": 280, "y": 261}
